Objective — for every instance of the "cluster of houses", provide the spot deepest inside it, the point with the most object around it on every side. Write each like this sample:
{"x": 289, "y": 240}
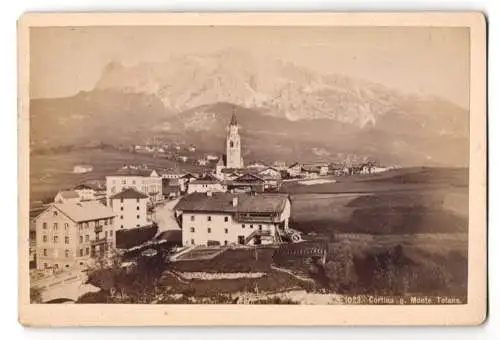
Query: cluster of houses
{"x": 228, "y": 204}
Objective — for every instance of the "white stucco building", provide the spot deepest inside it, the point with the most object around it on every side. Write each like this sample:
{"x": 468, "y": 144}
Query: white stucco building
{"x": 205, "y": 185}
{"x": 131, "y": 208}
{"x": 67, "y": 196}
{"x": 146, "y": 181}
{"x": 69, "y": 234}
{"x": 229, "y": 218}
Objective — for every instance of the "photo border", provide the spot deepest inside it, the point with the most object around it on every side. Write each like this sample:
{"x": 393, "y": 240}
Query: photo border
{"x": 472, "y": 313}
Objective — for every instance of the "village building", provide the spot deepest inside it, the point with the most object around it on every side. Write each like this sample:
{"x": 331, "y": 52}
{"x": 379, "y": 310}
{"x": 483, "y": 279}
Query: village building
{"x": 130, "y": 208}
{"x": 146, "y": 181}
{"x": 205, "y": 185}
{"x": 233, "y": 218}
{"x": 82, "y": 169}
{"x": 86, "y": 192}
{"x": 172, "y": 188}
{"x": 257, "y": 165}
{"x": 294, "y": 170}
{"x": 67, "y": 196}
{"x": 69, "y": 234}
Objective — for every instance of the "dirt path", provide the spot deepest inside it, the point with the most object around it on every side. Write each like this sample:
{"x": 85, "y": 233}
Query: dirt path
{"x": 164, "y": 216}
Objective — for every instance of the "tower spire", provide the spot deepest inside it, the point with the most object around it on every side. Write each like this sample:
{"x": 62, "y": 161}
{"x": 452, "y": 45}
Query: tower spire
{"x": 233, "y": 118}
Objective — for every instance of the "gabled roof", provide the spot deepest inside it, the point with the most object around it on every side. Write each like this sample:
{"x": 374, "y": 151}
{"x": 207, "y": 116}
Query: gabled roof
{"x": 68, "y": 194}
{"x": 294, "y": 165}
{"x": 223, "y": 202}
{"x": 248, "y": 177}
{"x": 205, "y": 181}
{"x": 82, "y": 211}
{"x": 233, "y": 119}
{"x": 129, "y": 193}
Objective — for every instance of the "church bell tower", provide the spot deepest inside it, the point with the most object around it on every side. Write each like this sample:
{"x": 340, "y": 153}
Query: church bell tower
{"x": 233, "y": 145}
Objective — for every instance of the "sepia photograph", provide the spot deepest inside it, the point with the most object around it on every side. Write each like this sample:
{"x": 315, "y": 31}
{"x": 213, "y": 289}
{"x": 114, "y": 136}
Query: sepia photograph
{"x": 272, "y": 164}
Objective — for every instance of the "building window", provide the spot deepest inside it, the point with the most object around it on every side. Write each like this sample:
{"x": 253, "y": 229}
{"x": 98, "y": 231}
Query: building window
{"x": 209, "y": 218}
{"x": 44, "y": 225}
{"x": 209, "y": 230}
{"x": 138, "y": 208}
{"x": 66, "y": 226}
{"x": 243, "y": 226}
{"x": 45, "y": 265}
{"x": 226, "y": 231}
{"x": 66, "y": 253}
{"x": 121, "y": 217}
{"x": 137, "y": 200}
{"x": 56, "y": 266}
{"x": 192, "y": 241}
{"x": 55, "y": 213}
{"x": 45, "y": 252}
{"x": 138, "y": 216}
{"x": 81, "y": 239}
{"x": 66, "y": 240}
{"x": 87, "y": 251}
{"x": 105, "y": 234}
{"x": 121, "y": 226}
{"x": 192, "y": 230}
{"x": 225, "y": 243}
{"x": 113, "y": 190}
{"x": 86, "y": 225}
{"x": 137, "y": 225}
{"x": 121, "y": 208}
{"x": 226, "y": 219}
{"x": 55, "y": 226}
{"x": 44, "y": 238}
{"x": 81, "y": 252}
{"x": 192, "y": 217}
{"x": 56, "y": 238}
{"x": 110, "y": 221}
{"x": 87, "y": 237}
{"x": 111, "y": 233}
{"x": 106, "y": 222}
{"x": 251, "y": 226}
{"x": 124, "y": 181}
{"x": 260, "y": 227}
{"x": 133, "y": 182}
{"x": 121, "y": 200}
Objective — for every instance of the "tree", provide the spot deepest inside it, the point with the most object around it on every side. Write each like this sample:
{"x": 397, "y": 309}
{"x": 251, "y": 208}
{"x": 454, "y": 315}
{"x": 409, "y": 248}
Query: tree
{"x": 35, "y": 295}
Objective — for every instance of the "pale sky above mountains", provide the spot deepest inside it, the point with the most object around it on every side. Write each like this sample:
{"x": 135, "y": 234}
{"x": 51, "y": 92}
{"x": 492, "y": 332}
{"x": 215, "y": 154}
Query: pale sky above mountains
{"x": 429, "y": 61}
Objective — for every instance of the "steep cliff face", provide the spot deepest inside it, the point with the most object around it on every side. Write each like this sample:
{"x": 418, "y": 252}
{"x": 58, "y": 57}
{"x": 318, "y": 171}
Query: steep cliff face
{"x": 299, "y": 111}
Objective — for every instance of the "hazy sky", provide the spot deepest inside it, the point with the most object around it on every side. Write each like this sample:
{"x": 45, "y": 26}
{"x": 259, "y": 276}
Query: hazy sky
{"x": 431, "y": 61}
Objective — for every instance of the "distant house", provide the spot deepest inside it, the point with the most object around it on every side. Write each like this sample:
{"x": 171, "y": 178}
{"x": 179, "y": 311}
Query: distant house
{"x": 279, "y": 165}
{"x": 202, "y": 162}
{"x": 321, "y": 169}
{"x": 67, "y": 196}
{"x": 86, "y": 192}
{"x": 205, "y": 185}
{"x": 212, "y": 158}
{"x": 183, "y": 158}
{"x": 172, "y": 174}
{"x": 246, "y": 183}
{"x": 191, "y": 148}
{"x": 271, "y": 173}
{"x": 172, "y": 188}
{"x": 294, "y": 170}
{"x": 232, "y": 218}
{"x": 81, "y": 169}
{"x": 130, "y": 207}
{"x": 257, "y": 165}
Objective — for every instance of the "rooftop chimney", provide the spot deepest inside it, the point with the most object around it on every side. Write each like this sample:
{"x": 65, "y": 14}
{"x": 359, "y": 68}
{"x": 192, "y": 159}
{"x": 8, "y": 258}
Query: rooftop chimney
{"x": 235, "y": 201}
